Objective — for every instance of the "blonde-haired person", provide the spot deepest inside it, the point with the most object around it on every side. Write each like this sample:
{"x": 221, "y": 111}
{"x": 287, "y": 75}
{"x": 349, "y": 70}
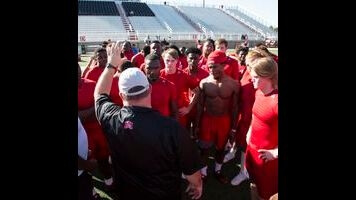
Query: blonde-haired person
{"x": 262, "y": 138}
{"x": 182, "y": 81}
{"x": 246, "y": 101}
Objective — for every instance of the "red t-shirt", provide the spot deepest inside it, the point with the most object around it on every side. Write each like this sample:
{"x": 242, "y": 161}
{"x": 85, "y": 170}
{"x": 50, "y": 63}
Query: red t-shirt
{"x": 129, "y": 54}
{"x": 202, "y": 63}
{"x": 198, "y": 76}
{"x": 182, "y": 83}
{"x": 138, "y": 59}
{"x": 246, "y": 101}
{"x": 114, "y": 92}
{"x": 94, "y": 73}
{"x": 264, "y": 124}
{"x": 163, "y": 93}
{"x": 86, "y": 101}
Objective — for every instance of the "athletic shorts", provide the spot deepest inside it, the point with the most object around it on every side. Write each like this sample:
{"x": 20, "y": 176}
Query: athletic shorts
{"x": 215, "y": 129}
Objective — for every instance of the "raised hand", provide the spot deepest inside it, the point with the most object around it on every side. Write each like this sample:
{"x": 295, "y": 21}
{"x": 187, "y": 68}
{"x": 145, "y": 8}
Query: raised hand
{"x": 113, "y": 50}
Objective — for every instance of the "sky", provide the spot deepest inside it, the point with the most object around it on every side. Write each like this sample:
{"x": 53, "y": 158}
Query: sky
{"x": 265, "y": 9}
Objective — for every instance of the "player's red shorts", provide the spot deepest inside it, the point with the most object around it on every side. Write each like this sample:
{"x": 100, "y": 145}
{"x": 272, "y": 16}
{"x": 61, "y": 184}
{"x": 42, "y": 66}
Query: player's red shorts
{"x": 215, "y": 129}
{"x": 97, "y": 143}
{"x": 263, "y": 174}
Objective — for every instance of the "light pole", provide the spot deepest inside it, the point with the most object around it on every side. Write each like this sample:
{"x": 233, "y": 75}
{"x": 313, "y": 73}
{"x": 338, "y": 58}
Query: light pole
{"x": 203, "y": 3}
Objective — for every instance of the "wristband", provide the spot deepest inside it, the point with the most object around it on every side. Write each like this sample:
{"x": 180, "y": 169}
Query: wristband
{"x": 108, "y": 65}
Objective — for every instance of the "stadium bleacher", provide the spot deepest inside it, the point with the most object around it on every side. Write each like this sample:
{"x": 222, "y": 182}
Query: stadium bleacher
{"x": 97, "y": 8}
{"x": 101, "y": 20}
{"x": 257, "y": 24}
{"x": 168, "y": 15}
{"x": 137, "y": 9}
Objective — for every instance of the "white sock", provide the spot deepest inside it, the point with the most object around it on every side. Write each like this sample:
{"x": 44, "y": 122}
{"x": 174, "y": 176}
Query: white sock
{"x": 108, "y": 181}
{"x": 204, "y": 170}
{"x": 217, "y": 167}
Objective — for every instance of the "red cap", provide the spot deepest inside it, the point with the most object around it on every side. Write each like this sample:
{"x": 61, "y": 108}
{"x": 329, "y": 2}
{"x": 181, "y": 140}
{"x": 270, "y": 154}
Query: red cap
{"x": 217, "y": 57}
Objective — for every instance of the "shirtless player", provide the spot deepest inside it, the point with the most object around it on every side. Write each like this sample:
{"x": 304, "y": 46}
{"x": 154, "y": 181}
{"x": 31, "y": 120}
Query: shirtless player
{"x": 216, "y": 112}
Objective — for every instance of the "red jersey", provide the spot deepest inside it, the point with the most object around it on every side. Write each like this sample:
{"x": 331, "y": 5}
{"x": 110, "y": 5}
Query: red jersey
{"x": 182, "y": 83}
{"x": 129, "y": 54}
{"x": 264, "y": 125}
{"x": 94, "y": 73}
{"x": 246, "y": 101}
{"x": 196, "y": 77}
{"x": 114, "y": 92}
{"x": 86, "y": 101}
{"x": 138, "y": 59}
{"x": 163, "y": 93}
{"x": 202, "y": 63}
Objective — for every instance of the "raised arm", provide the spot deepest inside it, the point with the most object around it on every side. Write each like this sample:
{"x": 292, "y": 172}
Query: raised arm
{"x": 104, "y": 83}
{"x": 88, "y": 66}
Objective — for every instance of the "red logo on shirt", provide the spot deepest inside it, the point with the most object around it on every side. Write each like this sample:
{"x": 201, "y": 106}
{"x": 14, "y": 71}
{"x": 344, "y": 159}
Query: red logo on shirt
{"x": 128, "y": 125}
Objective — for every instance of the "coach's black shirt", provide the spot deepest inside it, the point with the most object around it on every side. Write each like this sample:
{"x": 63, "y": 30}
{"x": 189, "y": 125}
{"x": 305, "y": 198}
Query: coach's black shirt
{"x": 148, "y": 151}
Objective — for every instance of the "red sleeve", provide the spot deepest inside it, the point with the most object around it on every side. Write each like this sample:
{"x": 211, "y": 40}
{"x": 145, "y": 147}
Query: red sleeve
{"x": 94, "y": 73}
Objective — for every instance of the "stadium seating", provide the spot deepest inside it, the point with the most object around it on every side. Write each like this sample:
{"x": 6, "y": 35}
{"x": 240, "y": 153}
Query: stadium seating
{"x": 99, "y": 20}
{"x": 98, "y": 8}
{"x": 215, "y": 20}
{"x": 100, "y": 28}
{"x": 257, "y": 24}
{"x": 170, "y": 16}
{"x": 136, "y": 9}
{"x": 147, "y": 24}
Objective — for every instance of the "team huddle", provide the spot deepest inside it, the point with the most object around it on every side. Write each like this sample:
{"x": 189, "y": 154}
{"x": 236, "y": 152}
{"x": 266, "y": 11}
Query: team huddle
{"x": 150, "y": 118}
